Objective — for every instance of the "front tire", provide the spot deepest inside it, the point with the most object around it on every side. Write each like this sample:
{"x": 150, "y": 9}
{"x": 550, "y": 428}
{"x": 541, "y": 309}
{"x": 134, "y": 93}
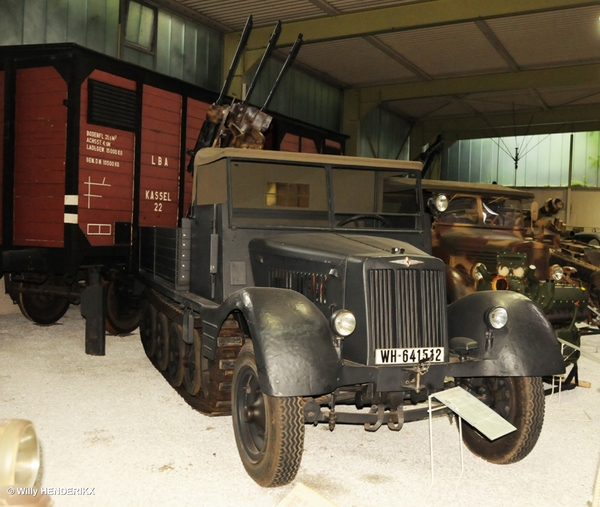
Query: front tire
{"x": 520, "y": 400}
{"x": 269, "y": 431}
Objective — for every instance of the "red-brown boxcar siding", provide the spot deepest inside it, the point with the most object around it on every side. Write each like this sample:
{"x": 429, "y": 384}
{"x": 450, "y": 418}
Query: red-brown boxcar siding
{"x": 2, "y": 74}
{"x": 290, "y": 142}
{"x": 196, "y": 114}
{"x": 40, "y": 150}
{"x": 308, "y": 146}
{"x": 106, "y": 157}
{"x": 336, "y": 145}
{"x": 160, "y": 157}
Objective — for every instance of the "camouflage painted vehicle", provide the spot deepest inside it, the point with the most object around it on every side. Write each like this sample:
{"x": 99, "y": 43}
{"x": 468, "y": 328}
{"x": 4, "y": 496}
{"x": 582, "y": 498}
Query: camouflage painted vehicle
{"x": 563, "y": 303}
{"x": 481, "y": 220}
{"x": 483, "y": 239}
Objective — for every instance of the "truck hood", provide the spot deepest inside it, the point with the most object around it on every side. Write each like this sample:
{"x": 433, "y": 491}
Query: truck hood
{"x": 331, "y": 247}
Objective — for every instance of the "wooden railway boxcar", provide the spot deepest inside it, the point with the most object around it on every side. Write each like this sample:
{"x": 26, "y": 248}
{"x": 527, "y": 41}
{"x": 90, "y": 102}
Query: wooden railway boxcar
{"x": 93, "y": 148}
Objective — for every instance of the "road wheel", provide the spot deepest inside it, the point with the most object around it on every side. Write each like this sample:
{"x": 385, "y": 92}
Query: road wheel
{"x": 269, "y": 431}
{"x": 122, "y": 312}
{"x": 192, "y": 366}
{"x": 520, "y": 400}
{"x": 176, "y": 354}
{"x": 44, "y": 309}
{"x": 161, "y": 355}
{"x": 148, "y": 328}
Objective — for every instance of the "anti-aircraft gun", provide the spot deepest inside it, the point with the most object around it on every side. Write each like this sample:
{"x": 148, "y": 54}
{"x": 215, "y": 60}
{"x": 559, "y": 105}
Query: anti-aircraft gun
{"x": 239, "y": 124}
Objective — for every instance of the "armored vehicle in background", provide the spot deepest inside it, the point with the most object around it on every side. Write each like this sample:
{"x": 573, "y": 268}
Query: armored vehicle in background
{"x": 303, "y": 282}
{"x": 480, "y": 232}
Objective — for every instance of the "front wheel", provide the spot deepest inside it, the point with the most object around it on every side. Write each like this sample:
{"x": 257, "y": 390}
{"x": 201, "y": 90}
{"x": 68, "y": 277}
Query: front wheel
{"x": 520, "y": 400}
{"x": 269, "y": 431}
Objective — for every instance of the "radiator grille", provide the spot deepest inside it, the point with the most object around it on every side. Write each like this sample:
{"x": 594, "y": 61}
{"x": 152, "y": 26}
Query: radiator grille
{"x": 407, "y": 308}
{"x": 490, "y": 259}
{"x": 111, "y": 106}
{"x": 311, "y": 285}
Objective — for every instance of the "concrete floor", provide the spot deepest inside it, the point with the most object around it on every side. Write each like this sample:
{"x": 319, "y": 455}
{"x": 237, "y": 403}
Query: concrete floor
{"x": 114, "y": 424}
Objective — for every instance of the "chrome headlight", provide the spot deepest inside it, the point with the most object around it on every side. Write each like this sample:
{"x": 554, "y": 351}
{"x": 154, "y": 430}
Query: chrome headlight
{"x": 476, "y": 274}
{"x": 441, "y": 203}
{"x": 497, "y": 317}
{"x": 343, "y": 323}
{"x": 556, "y": 272}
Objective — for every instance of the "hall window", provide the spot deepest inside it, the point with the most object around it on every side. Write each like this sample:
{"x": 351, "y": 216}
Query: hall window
{"x": 292, "y": 195}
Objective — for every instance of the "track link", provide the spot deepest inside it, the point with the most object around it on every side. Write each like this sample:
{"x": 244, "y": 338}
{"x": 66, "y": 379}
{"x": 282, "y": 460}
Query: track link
{"x": 214, "y": 397}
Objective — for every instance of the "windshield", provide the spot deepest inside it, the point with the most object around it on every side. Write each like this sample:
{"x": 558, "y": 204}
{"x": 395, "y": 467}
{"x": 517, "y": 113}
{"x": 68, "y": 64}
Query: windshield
{"x": 375, "y": 199}
{"x": 483, "y": 211}
{"x": 289, "y": 195}
{"x": 502, "y": 212}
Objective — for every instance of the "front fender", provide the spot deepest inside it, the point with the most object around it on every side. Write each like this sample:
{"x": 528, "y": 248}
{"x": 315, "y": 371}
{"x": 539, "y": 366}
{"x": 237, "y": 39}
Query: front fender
{"x": 293, "y": 342}
{"x": 525, "y": 347}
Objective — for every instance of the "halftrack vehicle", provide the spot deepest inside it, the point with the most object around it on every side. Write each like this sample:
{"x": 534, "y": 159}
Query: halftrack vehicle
{"x": 304, "y": 282}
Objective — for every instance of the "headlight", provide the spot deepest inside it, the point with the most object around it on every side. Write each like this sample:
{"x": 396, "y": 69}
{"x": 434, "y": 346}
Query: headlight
{"x": 518, "y": 272}
{"x": 503, "y": 270}
{"x": 343, "y": 323}
{"x": 476, "y": 273}
{"x": 497, "y": 317}
{"x": 556, "y": 272}
{"x": 441, "y": 203}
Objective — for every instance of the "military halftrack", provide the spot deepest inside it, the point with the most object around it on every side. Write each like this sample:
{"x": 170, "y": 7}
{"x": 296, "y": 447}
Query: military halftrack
{"x": 305, "y": 282}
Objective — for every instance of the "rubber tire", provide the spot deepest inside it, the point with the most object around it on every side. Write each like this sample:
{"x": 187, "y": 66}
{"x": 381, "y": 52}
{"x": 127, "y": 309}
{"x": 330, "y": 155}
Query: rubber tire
{"x": 176, "y": 354}
{"x": 148, "y": 328}
{"x": 526, "y": 412}
{"x": 271, "y": 457}
{"x": 161, "y": 355}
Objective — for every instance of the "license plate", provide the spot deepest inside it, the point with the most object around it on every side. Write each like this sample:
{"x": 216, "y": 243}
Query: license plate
{"x": 409, "y": 356}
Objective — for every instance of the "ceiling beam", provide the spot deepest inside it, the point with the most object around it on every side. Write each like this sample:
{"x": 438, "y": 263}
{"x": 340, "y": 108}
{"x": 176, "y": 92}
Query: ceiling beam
{"x": 504, "y": 81}
{"x": 404, "y": 17}
{"x": 575, "y": 119}
{"x": 489, "y": 34}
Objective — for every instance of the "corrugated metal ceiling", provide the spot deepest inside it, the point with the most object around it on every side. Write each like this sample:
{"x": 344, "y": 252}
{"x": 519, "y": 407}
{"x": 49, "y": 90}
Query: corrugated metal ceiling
{"x": 560, "y": 33}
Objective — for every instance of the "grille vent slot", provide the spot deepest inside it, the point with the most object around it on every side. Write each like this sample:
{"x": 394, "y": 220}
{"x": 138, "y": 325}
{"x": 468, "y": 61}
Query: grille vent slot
{"x": 407, "y": 308}
{"x": 111, "y": 106}
{"x": 311, "y": 285}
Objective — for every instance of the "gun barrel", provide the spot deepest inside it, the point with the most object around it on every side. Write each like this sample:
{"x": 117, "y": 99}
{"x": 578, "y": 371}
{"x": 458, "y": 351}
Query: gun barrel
{"x": 288, "y": 61}
{"x": 236, "y": 60}
{"x": 268, "y": 51}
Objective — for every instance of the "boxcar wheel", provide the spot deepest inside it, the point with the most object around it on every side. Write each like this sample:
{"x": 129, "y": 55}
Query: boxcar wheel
{"x": 176, "y": 353}
{"x": 122, "y": 314}
{"x": 161, "y": 356}
{"x": 44, "y": 309}
{"x": 269, "y": 431}
{"x": 520, "y": 400}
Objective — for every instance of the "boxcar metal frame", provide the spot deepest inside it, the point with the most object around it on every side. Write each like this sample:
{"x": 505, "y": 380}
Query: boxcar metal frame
{"x": 93, "y": 148}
